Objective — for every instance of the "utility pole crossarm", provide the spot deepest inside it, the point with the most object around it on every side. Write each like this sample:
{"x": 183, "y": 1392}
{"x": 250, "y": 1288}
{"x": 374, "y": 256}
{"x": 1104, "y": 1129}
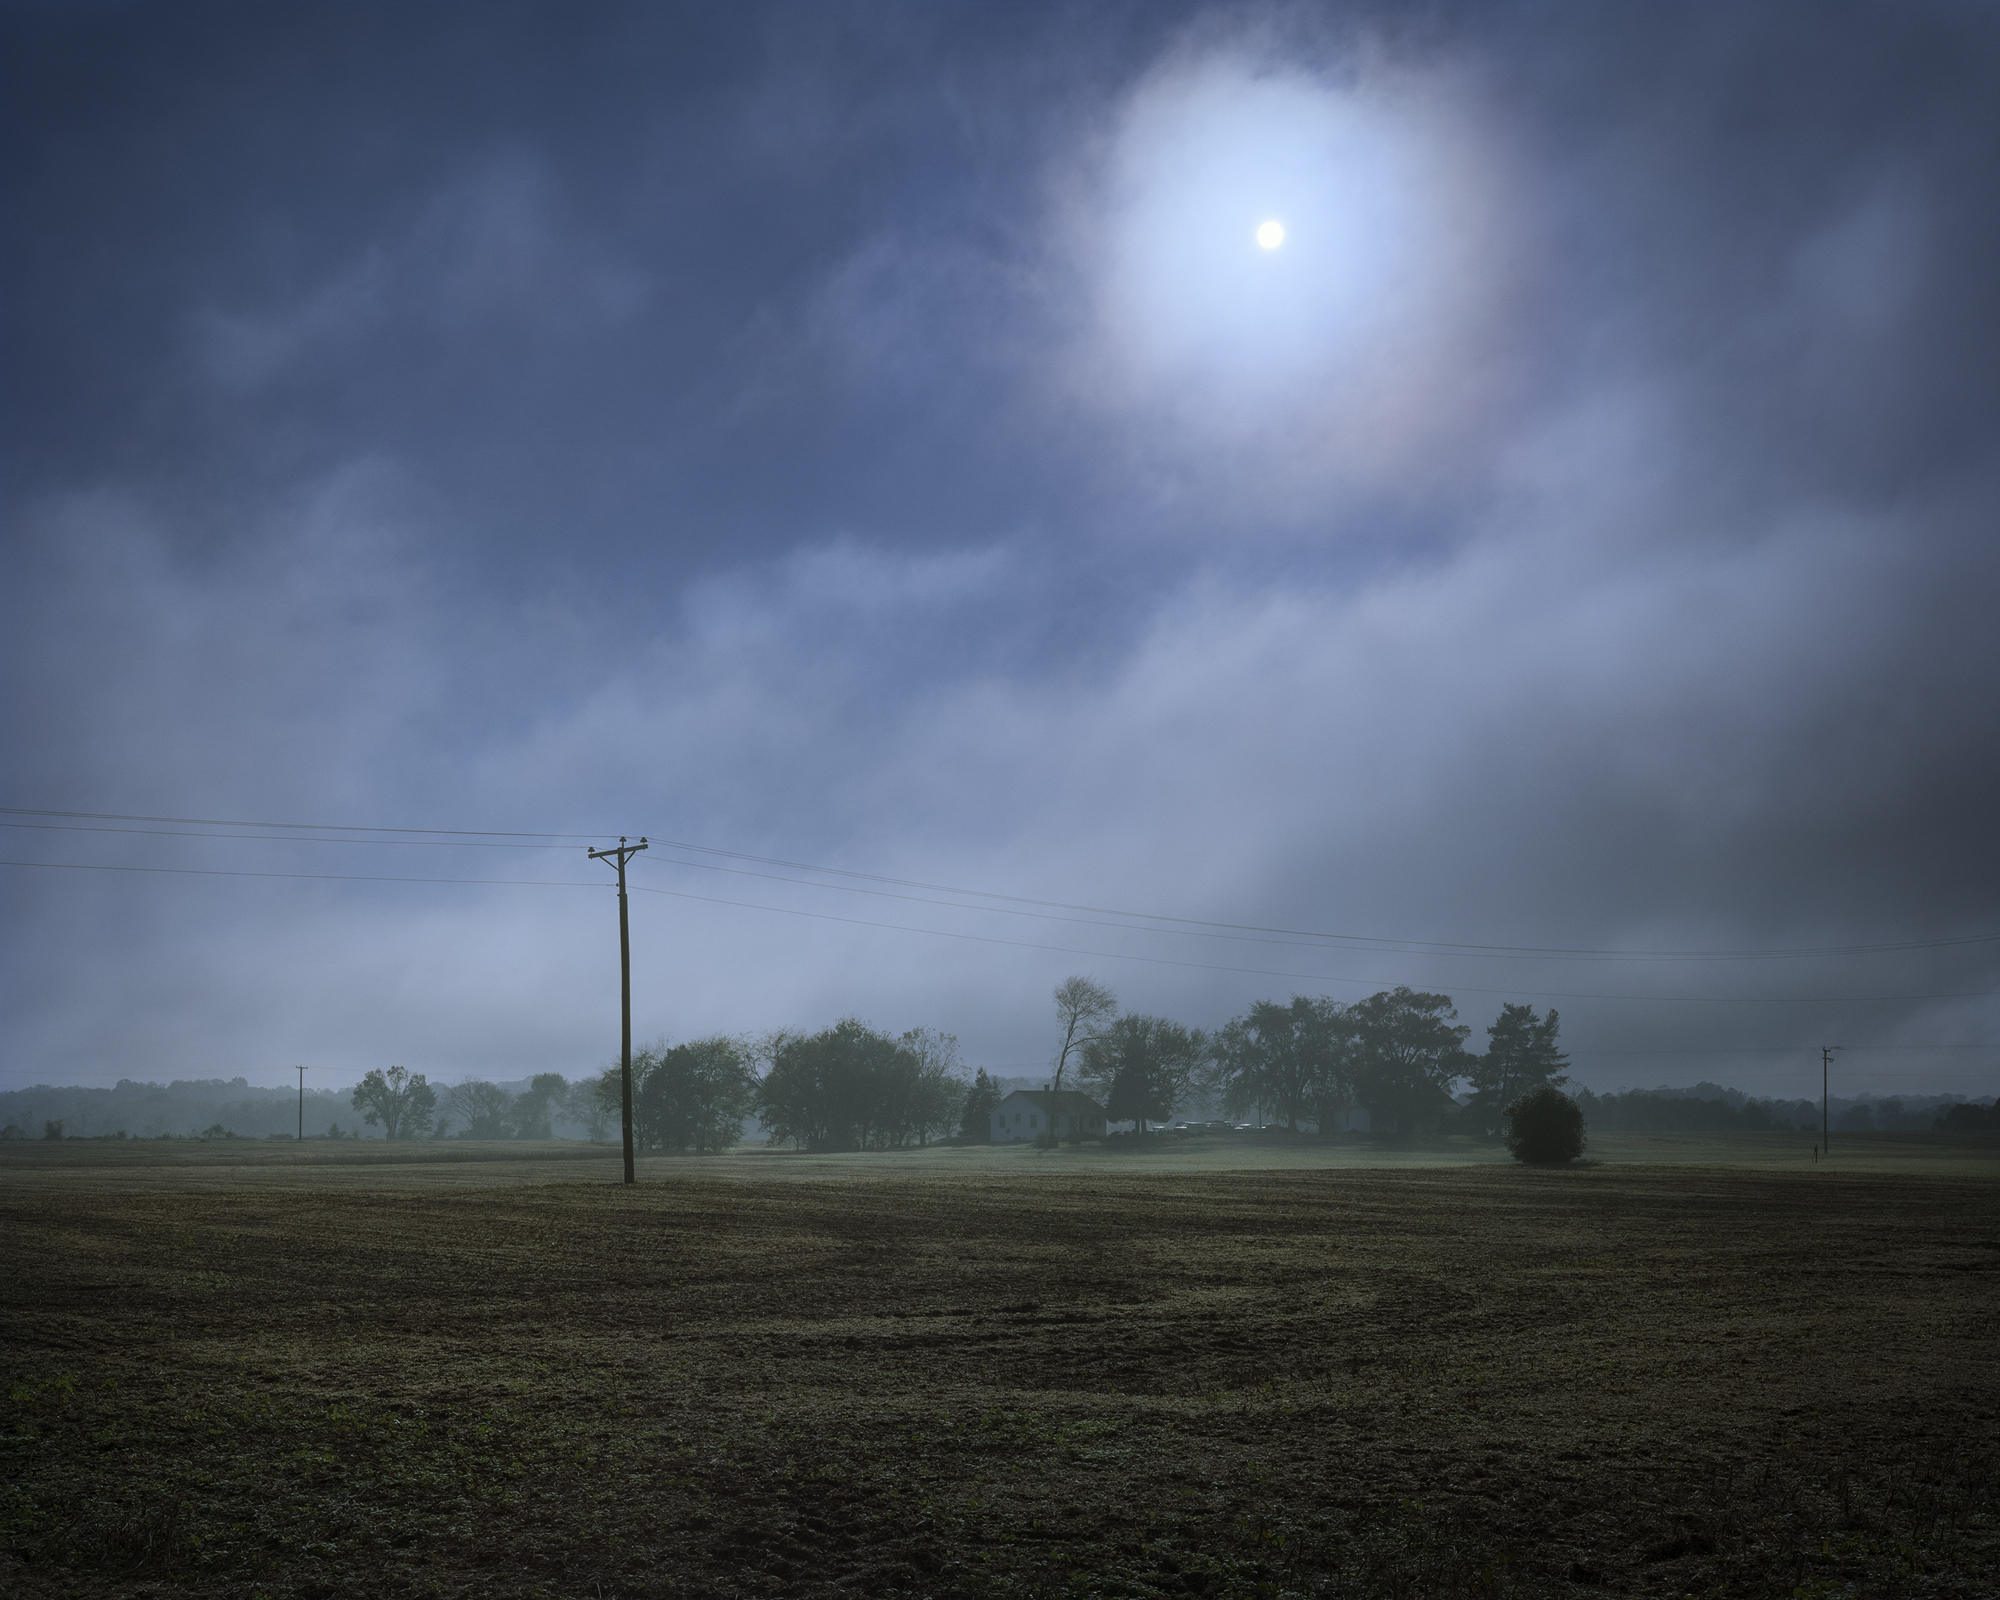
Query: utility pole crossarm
{"x": 621, "y": 854}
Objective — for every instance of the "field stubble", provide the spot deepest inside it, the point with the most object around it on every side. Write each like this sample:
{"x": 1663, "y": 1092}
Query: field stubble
{"x": 1423, "y": 1381}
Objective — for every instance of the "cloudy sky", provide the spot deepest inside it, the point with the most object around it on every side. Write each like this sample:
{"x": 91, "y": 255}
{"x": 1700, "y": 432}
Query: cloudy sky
{"x": 872, "y": 451}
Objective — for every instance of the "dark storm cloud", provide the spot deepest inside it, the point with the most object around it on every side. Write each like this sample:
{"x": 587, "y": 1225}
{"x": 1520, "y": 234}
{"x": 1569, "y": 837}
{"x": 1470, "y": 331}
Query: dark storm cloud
{"x": 576, "y": 262}
{"x": 797, "y": 429}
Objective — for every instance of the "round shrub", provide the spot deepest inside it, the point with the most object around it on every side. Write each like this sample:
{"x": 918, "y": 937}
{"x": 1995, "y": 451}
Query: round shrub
{"x": 1545, "y": 1126}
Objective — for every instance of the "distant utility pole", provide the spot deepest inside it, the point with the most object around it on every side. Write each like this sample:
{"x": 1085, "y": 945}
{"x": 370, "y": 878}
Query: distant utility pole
{"x": 621, "y": 855}
{"x": 1825, "y": 1072}
{"x": 302, "y": 1105}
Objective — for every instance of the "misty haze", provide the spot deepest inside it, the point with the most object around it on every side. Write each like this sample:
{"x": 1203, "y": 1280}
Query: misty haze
{"x": 889, "y": 798}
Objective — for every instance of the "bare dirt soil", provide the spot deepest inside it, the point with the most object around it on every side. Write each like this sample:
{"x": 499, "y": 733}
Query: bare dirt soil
{"x": 1005, "y": 1380}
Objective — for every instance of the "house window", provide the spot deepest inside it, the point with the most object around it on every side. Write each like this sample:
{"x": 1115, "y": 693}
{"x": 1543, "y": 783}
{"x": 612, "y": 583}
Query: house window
{"x": 1033, "y": 1123}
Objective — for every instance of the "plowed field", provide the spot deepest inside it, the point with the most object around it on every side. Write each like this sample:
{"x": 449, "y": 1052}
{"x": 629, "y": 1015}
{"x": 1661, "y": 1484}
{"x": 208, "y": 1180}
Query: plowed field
{"x": 1429, "y": 1381}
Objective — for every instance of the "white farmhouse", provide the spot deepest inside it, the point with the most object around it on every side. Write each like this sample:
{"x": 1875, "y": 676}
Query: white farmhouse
{"x": 1030, "y": 1113}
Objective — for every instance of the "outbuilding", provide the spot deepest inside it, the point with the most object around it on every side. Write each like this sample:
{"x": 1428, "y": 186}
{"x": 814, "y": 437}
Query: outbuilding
{"x": 1030, "y": 1113}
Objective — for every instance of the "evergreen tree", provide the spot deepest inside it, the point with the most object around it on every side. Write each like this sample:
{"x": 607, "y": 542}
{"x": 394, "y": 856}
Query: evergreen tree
{"x": 1545, "y": 1127}
{"x": 1521, "y": 1055}
{"x": 975, "y": 1121}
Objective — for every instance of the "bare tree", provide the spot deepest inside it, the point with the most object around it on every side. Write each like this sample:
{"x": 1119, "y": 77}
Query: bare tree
{"x": 583, "y": 1104}
{"x": 1083, "y": 1006}
{"x": 486, "y": 1109}
{"x": 938, "y": 1095}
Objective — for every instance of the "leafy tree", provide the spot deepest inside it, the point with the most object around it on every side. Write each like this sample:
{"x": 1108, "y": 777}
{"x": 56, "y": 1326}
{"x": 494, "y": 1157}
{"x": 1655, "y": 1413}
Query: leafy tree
{"x": 1292, "y": 1060}
{"x": 1545, "y": 1126}
{"x": 1521, "y": 1054}
{"x": 1408, "y": 1052}
{"x": 1967, "y": 1117}
{"x": 403, "y": 1103}
{"x": 975, "y": 1119}
{"x": 696, "y": 1095}
{"x": 486, "y": 1109}
{"x": 537, "y": 1106}
{"x": 845, "y": 1088}
{"x": 1148, "y": 1063}
{"x": 1083, "y": 1006}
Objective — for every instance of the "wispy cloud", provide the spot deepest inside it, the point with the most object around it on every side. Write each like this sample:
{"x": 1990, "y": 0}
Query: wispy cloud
{"x": 898, "y": 454}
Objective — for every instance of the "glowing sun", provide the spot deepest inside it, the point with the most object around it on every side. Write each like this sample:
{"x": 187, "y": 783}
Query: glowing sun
{"x": 1270, "y": 234}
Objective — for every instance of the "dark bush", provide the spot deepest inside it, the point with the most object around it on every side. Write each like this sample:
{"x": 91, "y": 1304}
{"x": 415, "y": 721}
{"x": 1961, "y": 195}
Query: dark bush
{"x": 1545, "y": 1126}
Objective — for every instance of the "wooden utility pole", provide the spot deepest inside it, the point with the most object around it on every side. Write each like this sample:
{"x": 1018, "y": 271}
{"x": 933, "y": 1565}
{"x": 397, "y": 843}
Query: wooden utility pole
{"x": 621, "y": 855}
{"x": 302, "y": 1105}
{"x": 1825, "y": 1072}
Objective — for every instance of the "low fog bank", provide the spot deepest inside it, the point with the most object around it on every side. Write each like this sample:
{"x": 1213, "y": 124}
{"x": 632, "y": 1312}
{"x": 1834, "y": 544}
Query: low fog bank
{"x": 236, "y": 1109}
{"x": 202, "y": 1108}
{"x": 1399, "y": 1063}
{"x": 883, "y": 443}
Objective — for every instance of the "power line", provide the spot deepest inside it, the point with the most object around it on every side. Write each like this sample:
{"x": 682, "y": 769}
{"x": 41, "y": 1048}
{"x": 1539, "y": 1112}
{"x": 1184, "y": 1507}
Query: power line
{"x": 1408, "y": 946}
{"x": 1188, "y": 932}
{"x": 1405, "y": 946}
{"x": 332, "y": 877}
{"x": 1017, "y": 944}
{"x": 1770, "y": 1049}
{"x": 1215, "y": 931}
{"x": 321, "y": 827}
{"x": 1392, "y": 947}
{"x": 1313, "y": 977}
{"x": 288, "y": 838}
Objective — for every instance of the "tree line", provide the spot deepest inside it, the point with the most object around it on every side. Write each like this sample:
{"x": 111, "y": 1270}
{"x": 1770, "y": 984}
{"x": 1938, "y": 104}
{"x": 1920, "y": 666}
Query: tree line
{"x": 847, "y": 1087}
{"x": 852, "y": 1087}
{"x": 1309, "y": 1061}
{"x": 406, "y": 1105}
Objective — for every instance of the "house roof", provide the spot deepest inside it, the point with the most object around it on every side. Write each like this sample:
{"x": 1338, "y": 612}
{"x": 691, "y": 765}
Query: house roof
{"x": 1074, "y": 1102}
